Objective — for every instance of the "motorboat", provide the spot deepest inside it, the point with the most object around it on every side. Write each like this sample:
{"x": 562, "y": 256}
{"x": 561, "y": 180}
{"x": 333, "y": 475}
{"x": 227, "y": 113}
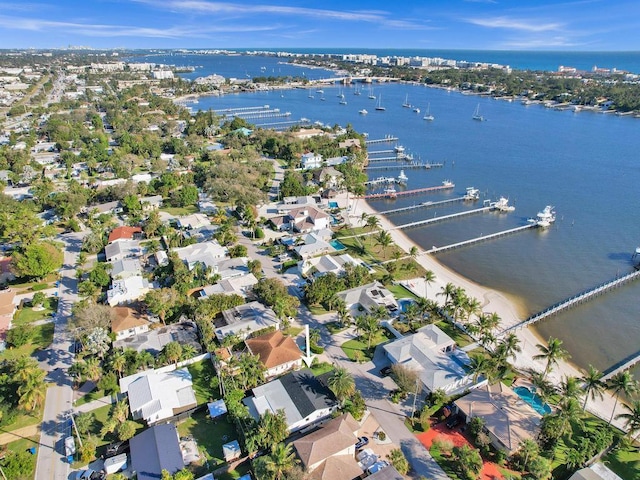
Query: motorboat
{"x": 544, "y": 218}
{"x": 502, "y": 205}
{"x": 363, "y": 111}
{"x": 402, "y": 178}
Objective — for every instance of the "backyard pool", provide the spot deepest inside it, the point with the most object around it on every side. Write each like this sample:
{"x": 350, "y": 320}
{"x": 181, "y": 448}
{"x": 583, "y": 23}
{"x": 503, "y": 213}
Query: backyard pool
{"x": 333, "y": 204}
{"x": 337, "y": 245}
{"x": 403, "y": 303}
{"x": 533, "y": 399}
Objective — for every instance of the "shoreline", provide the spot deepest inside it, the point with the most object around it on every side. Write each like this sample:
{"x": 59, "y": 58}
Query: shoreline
{"x": 506, "y": 306}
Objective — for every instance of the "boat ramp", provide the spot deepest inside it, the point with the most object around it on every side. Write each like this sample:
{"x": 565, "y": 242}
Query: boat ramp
{"x": 576, "y": 300}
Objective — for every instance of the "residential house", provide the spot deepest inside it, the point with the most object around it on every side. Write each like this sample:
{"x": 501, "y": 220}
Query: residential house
{"x": 125, "y": 233}
{"x": 277, "y": 352}
{"x": 370, "y": 297}
{"x": 231, "y": 286}
{"x": 195, "y": 220}
{"x": 311, "y": 160}
{"x": 508, "y": 420}
{"x": 432, "y": 354}
{"x": 335, "y": 439}
{"x": 208, "y": 254}
{"x": 153, "y": 341}
{"x": 246, "y": 319}
{"x": 333, "y": 161}
{"x": 302, "y": 219}
{"x": 595, "y": 471}
{"x": 329, "y": 177}
{"x": 313, "y": 246}
{"x": 122, "y": 249}
{"x": 206, "y": 205}
{"x": 386, "y": 473}
{"x": 108, "y": 207}
{"x": 153, "y": 202}
{"x": 318, "y": 266}
{"x": 155, "y": 396}
{"x": 7, "y": 309}
{"x": 154, "y": 450}
{"x": 125, "y": 268}
{"x": 350, "y": 142}
{"x": 127, "y": 290}
{"x": 305, "y": 399}
{"x": 128, "y": 322}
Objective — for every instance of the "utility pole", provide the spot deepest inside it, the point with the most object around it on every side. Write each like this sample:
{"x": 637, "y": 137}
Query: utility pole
{"x": 75, "y": 428}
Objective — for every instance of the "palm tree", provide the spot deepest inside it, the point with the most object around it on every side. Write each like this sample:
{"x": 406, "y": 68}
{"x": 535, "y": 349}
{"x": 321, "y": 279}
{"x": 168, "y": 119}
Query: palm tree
{"x": 93, "y": 369}
{"x": 188, "y": 351}
{"x": 344, "y": 317}
{"x": 570, "y": 387}
{"x": 280, "y": 460}
{"x": 342, "y": 384}
{"x": 370, "y": 327}
{"x": 624, "y": 383}
{"x": 252, "y": 370}
{"x": 33, "y": 390}
{"x": 118, "y": 361}
{"x": 631, "y": 417}
{"x": 428, "y": 278}
{"x": 553, "y": 352}
{"x": 593, "y": 385}
{"x": 413, "y": 252}
{"x": 172, "y": 352}
{"x": 373, "y": 222}
{"x": 448, "y": 291}
{"x": 411, "y": 313}
{"x": 568, "y": 411}
{"x": 383, "y": 239}
{"x": 508, "y": 347}
{"x": 482, "y": 366}
{"x": 471, "y": 307}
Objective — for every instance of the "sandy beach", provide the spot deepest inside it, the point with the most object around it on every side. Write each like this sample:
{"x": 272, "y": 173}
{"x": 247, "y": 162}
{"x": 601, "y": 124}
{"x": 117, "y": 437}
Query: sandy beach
{"x": 510, "y": 310}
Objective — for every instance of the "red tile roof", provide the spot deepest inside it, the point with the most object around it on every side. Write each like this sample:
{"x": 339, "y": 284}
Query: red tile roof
{"x": 125, "y": 232}
{"x": 274, "y": 349}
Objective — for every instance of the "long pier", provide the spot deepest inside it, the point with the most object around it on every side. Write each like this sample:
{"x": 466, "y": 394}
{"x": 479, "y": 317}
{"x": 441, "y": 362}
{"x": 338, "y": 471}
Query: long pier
{"x": 429, "y": 221}
{"x": 380, "y": 152}
{"x": 241, "y": 109}
{"x": 624, "y": 365}
{"x": 400, "y": 157}
{"x": 275, "y": 125}
{"x": 412, "y": 165}
{"x": 423, "y": 205}
{"x": 266, "y": 114}
{"x": 483, "y": 238}
{"x": 387, "y": 139}
{"x": 577, "y": 300}
{"x": 416, "y": 191}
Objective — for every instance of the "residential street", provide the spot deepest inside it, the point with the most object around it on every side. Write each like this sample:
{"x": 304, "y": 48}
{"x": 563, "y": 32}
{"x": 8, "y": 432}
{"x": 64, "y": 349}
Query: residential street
{"x": 58, "y": 358}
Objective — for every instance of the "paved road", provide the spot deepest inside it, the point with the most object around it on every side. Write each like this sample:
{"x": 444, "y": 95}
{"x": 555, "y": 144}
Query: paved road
{"x": 58, "y": 358}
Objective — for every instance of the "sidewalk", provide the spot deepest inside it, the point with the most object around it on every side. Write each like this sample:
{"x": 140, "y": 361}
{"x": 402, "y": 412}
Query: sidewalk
{"x": 95, "y": 404}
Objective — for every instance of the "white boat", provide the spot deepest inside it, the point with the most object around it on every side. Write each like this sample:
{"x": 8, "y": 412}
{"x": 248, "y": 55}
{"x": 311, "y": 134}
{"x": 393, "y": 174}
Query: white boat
{"x": 390, "y": 192}
{"x": 502, "y": 205}
{"x": 322, "y": 98}
{"x": 363, "y": 111}
{"x": 472, "y": 194}
{"x": 447, "y": 183}
{"x": 544, "y": 218}
{"x": 356, "y": 91}
{"x": 476, "y": 114}
{"x": 319, "y": 91}
{"x": 371, "y": 95}
{"x": 402, "y": 178}
{"x": 398, "y": 149}
{"x": 416, "y": 110}
{"x": 427, "y": 115}
{"x": 406, "y": 103}
{"x": 342, "y": 102}
{"x": 311, "y": 96}
{"x": 379, "y": 106}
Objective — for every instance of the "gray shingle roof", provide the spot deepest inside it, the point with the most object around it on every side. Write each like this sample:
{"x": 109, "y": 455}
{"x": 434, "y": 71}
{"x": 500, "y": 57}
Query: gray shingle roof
{"x": 154, "y": 450}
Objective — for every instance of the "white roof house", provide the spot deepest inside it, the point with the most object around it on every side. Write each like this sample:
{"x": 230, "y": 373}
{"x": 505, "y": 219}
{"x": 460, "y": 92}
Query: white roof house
{"x": 433, "y": 355}
{"x": 327, "y": 264}
{"x": 235, "y": 285}
{"x": 370, "y": 297}
{"x": 245, "y": 319}
{"x": 195, "y": 220}
{"x": 127, "y": 290}
{"x": 206, "y": 253}
{"x": 312, "y": 247}
{"x": 311, "y": 160}
{"x": 122, "y": 249}
{"x": 125, "y": 268}
{"x": 154, "y": 396}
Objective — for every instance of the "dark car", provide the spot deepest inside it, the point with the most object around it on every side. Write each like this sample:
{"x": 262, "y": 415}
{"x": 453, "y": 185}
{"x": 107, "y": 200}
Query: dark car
{"x": 362, "y": 442}
{"x": 116, "y": 449}
{"x": 385, "y": 371}
{"x": 453, "y": 421}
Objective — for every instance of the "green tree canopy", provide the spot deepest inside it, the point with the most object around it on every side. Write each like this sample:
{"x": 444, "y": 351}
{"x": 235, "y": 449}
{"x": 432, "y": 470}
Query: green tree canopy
{"x": 37, "y": 260}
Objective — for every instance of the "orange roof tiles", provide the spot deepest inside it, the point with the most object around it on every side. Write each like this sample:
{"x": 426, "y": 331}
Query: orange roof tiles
{"x": 125, "y": 232}
{"x": 274, "y": 349}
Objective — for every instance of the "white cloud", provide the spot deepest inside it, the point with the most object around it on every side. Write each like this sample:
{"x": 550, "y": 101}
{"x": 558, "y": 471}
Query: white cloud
{"x": 530, "y": 25}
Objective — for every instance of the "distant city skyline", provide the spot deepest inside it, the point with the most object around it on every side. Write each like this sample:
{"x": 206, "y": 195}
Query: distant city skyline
{"x": 581, "y": 25}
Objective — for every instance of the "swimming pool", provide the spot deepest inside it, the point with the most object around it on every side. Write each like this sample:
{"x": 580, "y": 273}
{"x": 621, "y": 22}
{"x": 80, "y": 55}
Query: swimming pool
{"x": 403, "y": 303}
{"x": 337, "y": 245}
{"x": 533, "y": 399}
{"x": 333, "y": 204}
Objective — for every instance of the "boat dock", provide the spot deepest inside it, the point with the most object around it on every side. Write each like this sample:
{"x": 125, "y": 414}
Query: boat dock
{"x": 271, "y": 113}
{"x": 622, "y": 366}
{"x": 577, "y": 300}
{"x": 429, "y": 221}
{"x": 381, "y": 152}
{"x": 277, "y": 125}
{"x": 386, "y": 139}
{"x": 423, "y": 205}
{"x": 400, "y": 157}
{"x": 483, "y": 238}
{"x": 381, "y": 181}
{"x": 416, "y": 191}
{"x": 240, "y": 109}
{"x": 412, "y": 165}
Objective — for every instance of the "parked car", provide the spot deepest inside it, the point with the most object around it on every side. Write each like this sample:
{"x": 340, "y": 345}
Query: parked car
{"x": 89, "y": 475}
{"x": 116, "y": 449}
{"x": 453, "y": 421}
{"x": 362, "y": 442}
{"x": 385, "y": 371}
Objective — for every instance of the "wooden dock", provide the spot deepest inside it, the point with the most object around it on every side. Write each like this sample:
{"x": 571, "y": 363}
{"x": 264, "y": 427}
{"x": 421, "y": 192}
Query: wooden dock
{"x": 387, "y": 139}
{"x": 483, "y": 238}
{"x": 405, "y": 193}
{"x": 577, "y": 300}
{"x": 409, "y": 166}
{"x": 400, "y": 157}
{"x": 622, "y": 366}
{"x": 240, "y": 109}
{"x": 423, "y": 205}
{"x": 429, "y": 221}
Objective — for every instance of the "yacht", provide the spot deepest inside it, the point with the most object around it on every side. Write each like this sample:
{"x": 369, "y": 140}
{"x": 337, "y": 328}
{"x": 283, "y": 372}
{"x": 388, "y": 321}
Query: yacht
{"x": 406, "y": 103}
{"x": 319, "y": 91}
{"x": 546, "y": 217}
{"x": 356, "y": 91}
{"x": 379, "y": 106}
{"x": 399, "y": 149}
{"x": 447, "y": 184}
{"x": 390, "y": 192}
{"x": 476, "y": 114}
{"x": 371, "y": 95}
{"x": 502, "y": 205}
{"x": 472, "y": 194}
{"x": 427, "y": 115}
{"x": 342, "y": 102}
{"x": 363, "y": 111}
{"x": 402, "y": 178}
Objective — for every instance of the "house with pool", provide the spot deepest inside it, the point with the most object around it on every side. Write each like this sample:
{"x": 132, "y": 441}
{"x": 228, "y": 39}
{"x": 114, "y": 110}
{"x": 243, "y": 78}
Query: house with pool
{"x": 508, "y": 418}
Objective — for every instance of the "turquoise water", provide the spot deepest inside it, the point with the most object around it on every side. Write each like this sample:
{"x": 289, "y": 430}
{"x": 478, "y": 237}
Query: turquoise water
{"x": 533, "y": 399}
{"x": 337, "y": 245}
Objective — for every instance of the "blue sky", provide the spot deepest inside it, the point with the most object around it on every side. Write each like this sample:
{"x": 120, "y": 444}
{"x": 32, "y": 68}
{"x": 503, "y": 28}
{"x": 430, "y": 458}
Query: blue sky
{"x": 431, "y": 24}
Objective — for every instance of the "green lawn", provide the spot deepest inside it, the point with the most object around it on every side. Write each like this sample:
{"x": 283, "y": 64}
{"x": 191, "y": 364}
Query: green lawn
{"x": 22, "y": 285}
{"x": 400, "y": 292}
{"x": 180, "y": 211}
{"x": 41, "y": 339}
{"x": 102, "y": 414}
{"x": 360, "y": 344}
{"x": 293, "y": 331}
{"x": 241, "y": 470}
{"x": 335, "y": 327}
{"x": 209, "y": 434}
{"x": 94, "y": 394}
{"x": 28, "y": 314}
{"x": 202, "y": 374}
{"x": 320, "y": 368}
{"x": 458, "y": 336}
{"x": 20, "y": 446}
{"x": 626, "y": 463}
{"x": 24, "y": 419}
